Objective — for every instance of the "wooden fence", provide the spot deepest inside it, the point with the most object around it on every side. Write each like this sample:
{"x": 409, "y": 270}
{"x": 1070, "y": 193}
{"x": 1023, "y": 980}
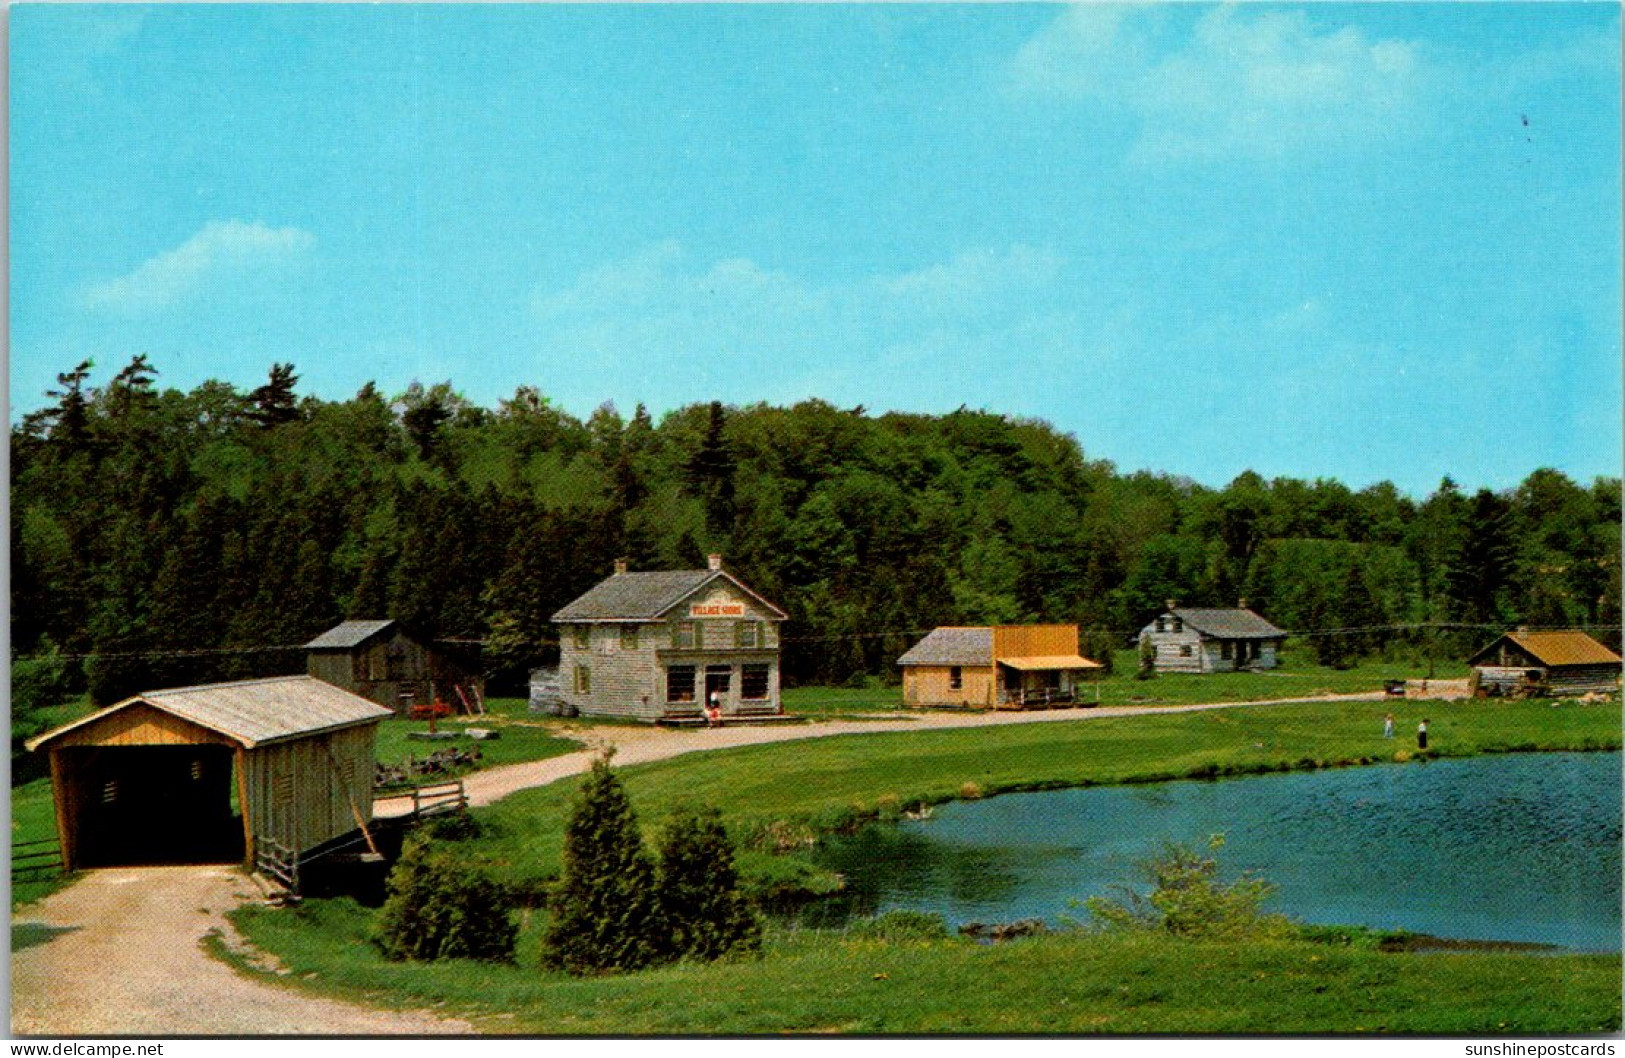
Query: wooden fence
{"x": 33, "y": 861}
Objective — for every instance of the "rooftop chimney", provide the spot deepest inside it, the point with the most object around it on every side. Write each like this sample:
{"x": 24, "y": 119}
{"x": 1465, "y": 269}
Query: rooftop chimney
{"x": 713, "y": 561}
{"x": 620, "y": 566}
{"x": 1241, "y": 603}
{"x": 1172, "y": 604}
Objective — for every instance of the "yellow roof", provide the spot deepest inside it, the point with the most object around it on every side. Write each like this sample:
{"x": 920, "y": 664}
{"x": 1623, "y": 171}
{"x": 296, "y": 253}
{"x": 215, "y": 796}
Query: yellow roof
{"x": 1050, "y": 662}
{"x": 1564, "y": 648}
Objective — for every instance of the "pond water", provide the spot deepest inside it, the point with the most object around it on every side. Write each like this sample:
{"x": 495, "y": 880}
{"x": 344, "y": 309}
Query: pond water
{"x": 1515, "y": 848}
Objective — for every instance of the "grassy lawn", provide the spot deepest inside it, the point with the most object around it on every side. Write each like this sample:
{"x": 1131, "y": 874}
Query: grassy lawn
{"x": 519, "y": 741}
{"x": 1295, "y": 678}
{"x": 1077, "y": 982}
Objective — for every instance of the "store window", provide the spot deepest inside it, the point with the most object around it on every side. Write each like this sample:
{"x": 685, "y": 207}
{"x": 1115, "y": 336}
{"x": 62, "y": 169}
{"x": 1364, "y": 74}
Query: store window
{"x": 753, "y": 682}
{"x": 680, "y": 683}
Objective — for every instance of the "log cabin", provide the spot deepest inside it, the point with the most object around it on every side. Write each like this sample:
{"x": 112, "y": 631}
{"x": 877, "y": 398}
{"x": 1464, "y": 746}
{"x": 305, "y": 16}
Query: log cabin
{"x": 1545, "y": 664}
{"x": 1205, "y": 640}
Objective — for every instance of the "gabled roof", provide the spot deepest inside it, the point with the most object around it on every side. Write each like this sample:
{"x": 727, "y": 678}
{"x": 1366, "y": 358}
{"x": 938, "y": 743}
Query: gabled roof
{"x": 952, "y": 646}
{"x": 1227, "y": 623}
{"x": 347, "y": 634}
{"x": 252, "y": 712}
{"x": 1555, "y": 648}
{"x": 647, "y": 596}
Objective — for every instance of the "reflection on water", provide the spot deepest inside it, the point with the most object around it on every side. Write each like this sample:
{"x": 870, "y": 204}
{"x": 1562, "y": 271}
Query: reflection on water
{"x": 1522, "y": 848}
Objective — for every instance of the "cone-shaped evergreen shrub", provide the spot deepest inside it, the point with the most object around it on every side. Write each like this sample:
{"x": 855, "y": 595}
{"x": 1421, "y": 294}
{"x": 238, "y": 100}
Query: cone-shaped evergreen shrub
{"x": 605, "y": 913}
{"x": 439, "y": 908}
{"x": 705, "y": 913}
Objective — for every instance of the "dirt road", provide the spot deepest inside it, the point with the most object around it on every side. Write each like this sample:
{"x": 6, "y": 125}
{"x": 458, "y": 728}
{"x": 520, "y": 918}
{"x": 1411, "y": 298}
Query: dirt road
{"x": 117, "y": 953}
{"x": 637, "y": 745}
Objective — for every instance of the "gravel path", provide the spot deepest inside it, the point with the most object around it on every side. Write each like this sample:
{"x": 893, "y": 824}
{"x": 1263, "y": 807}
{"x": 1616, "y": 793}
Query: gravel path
{"x": 117, "y": 952}
{"x": 636, "y": 745}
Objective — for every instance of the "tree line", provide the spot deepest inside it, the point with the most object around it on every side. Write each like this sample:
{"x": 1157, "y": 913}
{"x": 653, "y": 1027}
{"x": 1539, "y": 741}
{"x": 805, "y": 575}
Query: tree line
{"x": 151, "y": 524}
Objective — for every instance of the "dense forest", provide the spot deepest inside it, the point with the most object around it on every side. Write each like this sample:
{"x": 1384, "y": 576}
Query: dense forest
{"x": 161, "y": 537}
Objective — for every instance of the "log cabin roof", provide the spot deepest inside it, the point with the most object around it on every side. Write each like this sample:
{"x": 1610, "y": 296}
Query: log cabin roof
{"x": 1232, "y": 623}
{"x": 251, "y": 712}
{"x": 952, "y": 646}
{"x": 647, "y": 596}
{"x": 347, "y": 635}
{"x": 1553, "y": 648}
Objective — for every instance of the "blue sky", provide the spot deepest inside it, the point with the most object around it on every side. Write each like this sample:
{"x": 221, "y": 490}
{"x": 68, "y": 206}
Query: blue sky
{"x": 1364, "y": 241}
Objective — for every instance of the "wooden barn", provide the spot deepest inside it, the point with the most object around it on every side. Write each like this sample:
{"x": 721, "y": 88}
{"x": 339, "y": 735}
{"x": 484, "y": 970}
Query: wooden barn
{"x": 1545, "y": 664}
{"x": 208, "y": 774}
{"x": 383, "y": 662}
{"x": 657, "y": 646}
{"x": 1204, "y": 640}
{"x": 995, "y": 667}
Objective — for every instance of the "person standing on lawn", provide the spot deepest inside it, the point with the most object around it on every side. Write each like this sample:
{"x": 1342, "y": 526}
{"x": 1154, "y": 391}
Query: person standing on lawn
{"x": 1388, "y": 726}
{"x": 1422, "y": 734}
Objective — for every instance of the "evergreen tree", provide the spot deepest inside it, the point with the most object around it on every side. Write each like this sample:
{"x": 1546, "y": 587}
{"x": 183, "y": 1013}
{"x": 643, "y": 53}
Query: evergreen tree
{"x": 438, "y": 908}
{"x": 70, "y": 419}
{"x": 274, "y": 403}
{"x": 711, "y": 473}
{"x": 700, "y": 901}
{"x": 605, "y": 910}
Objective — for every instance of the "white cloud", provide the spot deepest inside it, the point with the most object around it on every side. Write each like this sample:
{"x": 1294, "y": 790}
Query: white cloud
{"x": 731, "y": 326}
{"x": 221, "y": 249}
{"x": 1237, "y": 83}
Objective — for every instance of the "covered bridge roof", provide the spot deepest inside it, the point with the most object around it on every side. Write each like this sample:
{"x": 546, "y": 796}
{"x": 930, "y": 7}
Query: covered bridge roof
{"x": 348, "y": 634}
{"x": 952, "y": 646}
{"x": 647, "y": 596}
{"x": 1228, "y": 623}
{"x": 1554, "y": 648}
{"x": 252, "y": 712}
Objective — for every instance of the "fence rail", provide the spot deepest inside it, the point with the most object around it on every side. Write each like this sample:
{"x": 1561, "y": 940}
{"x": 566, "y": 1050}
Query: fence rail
{"x": 35, "y": 859}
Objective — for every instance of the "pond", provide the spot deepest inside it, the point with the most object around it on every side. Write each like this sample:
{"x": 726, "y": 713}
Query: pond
{"x": 1513, "y": 848}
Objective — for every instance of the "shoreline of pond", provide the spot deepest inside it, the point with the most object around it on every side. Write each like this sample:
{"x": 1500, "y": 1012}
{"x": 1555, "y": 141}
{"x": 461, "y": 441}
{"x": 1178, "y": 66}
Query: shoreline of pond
{"x": 825, "y": 908}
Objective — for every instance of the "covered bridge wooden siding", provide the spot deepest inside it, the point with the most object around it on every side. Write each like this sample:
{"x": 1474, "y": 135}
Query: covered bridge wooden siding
{"x": 150, "y": 779}
{"x": 1546, "y": 663}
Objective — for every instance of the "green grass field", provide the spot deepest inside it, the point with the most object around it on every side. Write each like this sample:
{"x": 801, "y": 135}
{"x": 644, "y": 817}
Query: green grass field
{"x": 835, "y": 783}
{"x": 1074, "y": 982}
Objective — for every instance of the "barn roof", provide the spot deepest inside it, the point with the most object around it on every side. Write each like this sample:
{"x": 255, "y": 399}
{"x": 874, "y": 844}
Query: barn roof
{"x": 952, "y": 646}
{"x": 252, "y": 712}
{"x": 1227, "y": 623}
{"x": 1556, "y": 648}
{"x": 347, "y": 634}
{"x": 646, "y": 596}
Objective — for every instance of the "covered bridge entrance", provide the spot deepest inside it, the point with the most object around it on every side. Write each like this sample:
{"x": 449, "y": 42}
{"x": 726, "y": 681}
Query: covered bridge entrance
{"x": 204, "y": 774}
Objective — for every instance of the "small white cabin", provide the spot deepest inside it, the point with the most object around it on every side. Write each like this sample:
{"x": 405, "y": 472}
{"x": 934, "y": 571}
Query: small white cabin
{"x": 1204, "y": 640}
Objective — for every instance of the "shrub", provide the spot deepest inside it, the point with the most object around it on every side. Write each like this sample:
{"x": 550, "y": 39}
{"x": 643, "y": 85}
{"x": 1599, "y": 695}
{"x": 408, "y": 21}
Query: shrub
{"x": 605, "y": 913}
{"x": 889, "y": 807}
{"x": 900, "y": 925}
{"x": 1187, "y": 899}
{"x": 1148, "y": 659}
{"x": 439, "y": 908}
{"x": 970, "y": 791}
{"x": 700, "y": 902}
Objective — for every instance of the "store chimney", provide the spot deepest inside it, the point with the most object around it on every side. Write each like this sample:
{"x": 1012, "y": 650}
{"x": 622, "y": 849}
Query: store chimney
{"x": 1241, "y": 603}
{"x": 1172, "y": 603}
{"x": 714, "y": 561}
{"x": 620, "y": 566}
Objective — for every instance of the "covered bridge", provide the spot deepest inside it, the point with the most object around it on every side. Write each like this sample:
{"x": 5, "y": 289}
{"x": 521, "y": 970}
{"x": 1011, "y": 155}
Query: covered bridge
{"x": 205, "y": 774}
{"x": 1525, "y": 663}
